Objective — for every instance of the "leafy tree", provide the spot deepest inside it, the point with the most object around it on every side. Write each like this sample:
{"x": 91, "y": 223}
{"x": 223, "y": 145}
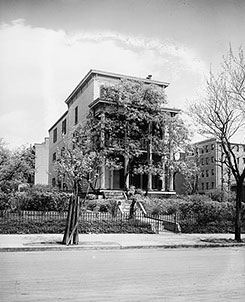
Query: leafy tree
{"x": 190, "y": 171}
{"x": 135, "y": 122}
{"x": 16, "y": 167}
{"x": 221, "y": 115}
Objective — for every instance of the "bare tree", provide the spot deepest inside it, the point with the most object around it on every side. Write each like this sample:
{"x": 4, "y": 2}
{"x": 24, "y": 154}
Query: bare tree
{"x": 221, "y": 115}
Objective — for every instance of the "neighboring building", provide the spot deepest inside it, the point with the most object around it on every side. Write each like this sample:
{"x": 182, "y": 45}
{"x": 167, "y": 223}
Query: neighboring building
{"x": 56, "y": 141}
{"x": 41, "y": 162}
{"x": 85, "y": 98}
{"x": 214, "y": 172}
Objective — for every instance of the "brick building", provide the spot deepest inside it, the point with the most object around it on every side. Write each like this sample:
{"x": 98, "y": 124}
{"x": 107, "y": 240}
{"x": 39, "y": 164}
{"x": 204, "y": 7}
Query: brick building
{"x": 214, "y": 172}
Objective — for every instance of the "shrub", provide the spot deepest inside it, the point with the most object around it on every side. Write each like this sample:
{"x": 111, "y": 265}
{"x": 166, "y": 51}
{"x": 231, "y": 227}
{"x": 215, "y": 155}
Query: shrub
{"x": 222, "y": 196}
{"x": 36, "y": 198}
{"x": 101, "y": 205}
{"x": 4, "y": 201}
{"x": 157, "y": 206}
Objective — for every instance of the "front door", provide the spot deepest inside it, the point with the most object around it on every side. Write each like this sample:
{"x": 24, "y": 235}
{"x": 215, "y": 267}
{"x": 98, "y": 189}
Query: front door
{"x": 118, "y": 182}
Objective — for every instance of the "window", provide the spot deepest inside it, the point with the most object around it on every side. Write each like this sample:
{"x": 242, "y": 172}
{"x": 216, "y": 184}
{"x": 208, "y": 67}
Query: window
{"x": 244, "y": 160}
{"x": 207, "y": 173}
{"x": 64, "y": 126}
{"x": 206, "y": 148}
{"x": 54, "y": 156}
{"x": 244, "y": 148}
{"x": 76, "y": 115}
{"x": 237, "y": 148}
{"x": 53, "y": 182}
{"x": 62, "y": 152}
{"x": 206, "y": 185}
{"x": 237, "y": 160}
{"x": 202, "y": 173}
{"x": 212, "y": 171}
{"x": 55, "y": 135}
{"x": 212, "y": 185}
{"x": 212, "y": 147}
{"x": 212, "y": 159}
{"x": 207, "y": 160}
{"x": 202, "y": 186}
{"x": 202, "y": 151}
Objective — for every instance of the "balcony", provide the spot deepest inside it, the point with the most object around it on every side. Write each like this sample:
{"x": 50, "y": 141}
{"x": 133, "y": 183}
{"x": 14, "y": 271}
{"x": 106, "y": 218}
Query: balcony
{"x": 119, "y": 143}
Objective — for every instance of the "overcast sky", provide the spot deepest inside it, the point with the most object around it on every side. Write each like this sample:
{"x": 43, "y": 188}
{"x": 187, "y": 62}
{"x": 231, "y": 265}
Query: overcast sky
{"x": 46, "y": 48}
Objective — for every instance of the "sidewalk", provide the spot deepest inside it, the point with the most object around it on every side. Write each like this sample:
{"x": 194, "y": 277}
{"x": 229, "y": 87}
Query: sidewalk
{"x": 43, "y": 242}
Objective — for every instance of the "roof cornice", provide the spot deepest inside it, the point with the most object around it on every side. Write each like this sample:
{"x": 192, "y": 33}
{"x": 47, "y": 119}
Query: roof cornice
{"x": 55, "y": 124}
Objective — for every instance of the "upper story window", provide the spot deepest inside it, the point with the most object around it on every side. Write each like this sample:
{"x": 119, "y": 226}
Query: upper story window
{"x": 207, "y": 160}
{"x": 76, "y": 115}
{"x": 64, "y": 126}
{"x": 207, "y": 173}
{"x": 237, "y": 148}
{"x": 237, "y": 160}
{"x": 244, "y": 148}
{"x": 212, "y": 147}
{"x": 212, "y": 171}
{"x": 54, "y": 157}
{"x": 206, "y": 148}
{"x": 55, "y": 135}
{"x": 212, "y": 159}
{"x": 244, "y": 160}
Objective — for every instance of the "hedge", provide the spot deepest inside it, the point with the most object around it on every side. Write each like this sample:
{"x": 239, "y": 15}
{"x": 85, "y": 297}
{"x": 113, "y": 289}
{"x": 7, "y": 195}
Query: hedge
{"x": 54, "y": 226}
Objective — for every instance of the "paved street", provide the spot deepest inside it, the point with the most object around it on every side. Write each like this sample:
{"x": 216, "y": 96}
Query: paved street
{"x": 211, "y": 274}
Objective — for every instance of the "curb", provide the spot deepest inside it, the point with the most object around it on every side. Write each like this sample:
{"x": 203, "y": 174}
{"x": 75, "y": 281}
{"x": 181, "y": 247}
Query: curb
{"x": 117, "y": 247}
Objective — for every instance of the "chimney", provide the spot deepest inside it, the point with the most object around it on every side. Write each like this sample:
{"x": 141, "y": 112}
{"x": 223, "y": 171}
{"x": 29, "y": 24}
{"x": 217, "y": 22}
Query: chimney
{"x": 149, "y": 77}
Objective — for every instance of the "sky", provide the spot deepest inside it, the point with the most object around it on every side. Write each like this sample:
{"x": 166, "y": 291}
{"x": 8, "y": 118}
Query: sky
{"x": 47, "y": 47}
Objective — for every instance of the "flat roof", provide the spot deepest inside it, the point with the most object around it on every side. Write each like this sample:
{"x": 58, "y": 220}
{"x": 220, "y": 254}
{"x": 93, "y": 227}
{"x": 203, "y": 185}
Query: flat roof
{"x": 118, "y": 76}
{"x": 216, "y": 140}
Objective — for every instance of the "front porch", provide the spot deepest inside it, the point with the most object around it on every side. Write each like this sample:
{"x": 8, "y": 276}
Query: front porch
{"x": 154, "y": 185}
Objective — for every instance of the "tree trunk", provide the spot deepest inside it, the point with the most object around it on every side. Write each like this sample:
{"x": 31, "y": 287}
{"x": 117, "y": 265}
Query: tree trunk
{"x": 76, "y": 220}
{"x": 239, "y": 195}
{"x": 71, "y": 232}
{"x": 68, "y": 222}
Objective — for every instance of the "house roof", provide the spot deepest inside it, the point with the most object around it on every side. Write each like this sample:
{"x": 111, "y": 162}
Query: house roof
{"x": 55, "y": 124}
{"x": 94, "y": 72}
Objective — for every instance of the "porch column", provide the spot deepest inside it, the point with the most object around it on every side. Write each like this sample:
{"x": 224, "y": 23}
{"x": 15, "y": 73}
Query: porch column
{"x": 102, "y": 145}
{"x": 163, "y": 177}
{"x": 171, "y": 181}
{"x": 170, "y": 171}
{"x": 102, "y": 176}
{"x": 149, "y": 155}
{"x": 111, "y": 178}
{"x": 171, "y": 157}
{"x": 126, "y": 160}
